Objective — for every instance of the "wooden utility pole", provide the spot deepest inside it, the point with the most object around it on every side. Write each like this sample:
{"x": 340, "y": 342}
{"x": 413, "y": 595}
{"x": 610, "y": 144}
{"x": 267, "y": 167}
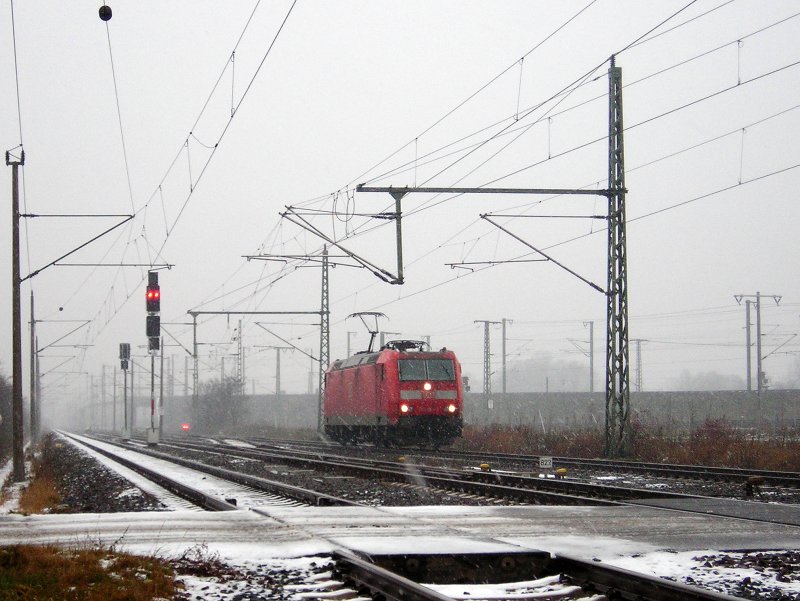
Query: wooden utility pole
{"x": 16, "y": 384}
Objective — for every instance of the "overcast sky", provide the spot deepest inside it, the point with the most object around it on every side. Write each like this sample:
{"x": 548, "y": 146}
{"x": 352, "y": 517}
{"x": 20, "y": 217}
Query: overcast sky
{"x": 445, "y": 93}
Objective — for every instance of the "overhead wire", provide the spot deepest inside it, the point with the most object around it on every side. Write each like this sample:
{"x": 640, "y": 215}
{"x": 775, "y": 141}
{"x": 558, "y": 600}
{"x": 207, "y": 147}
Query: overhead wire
{"x": 570, "y": 150}
{"x": 198, "y": 178}
{"x": 677, "y": 205}
{"x": 399, "y": 170}
{"x": 567, "y": 89}
{"x": 21, "y": 144}
{"x": 492, "y": 80}
{"x": 228, "y": 123}
{"x": 144, "y": 207}
{"x": 212, "y": 153}
{"x": 119, "y": 118}
{"x": 478, "y": 269}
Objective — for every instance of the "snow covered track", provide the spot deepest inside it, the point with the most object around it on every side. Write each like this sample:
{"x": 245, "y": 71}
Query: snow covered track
{"x": 523, "y": 575}
{"x": 682, "y": 544}
{"x": 465, "y": 484}
{"x": 220, "y": 491}
{"x": 199, "y": 498}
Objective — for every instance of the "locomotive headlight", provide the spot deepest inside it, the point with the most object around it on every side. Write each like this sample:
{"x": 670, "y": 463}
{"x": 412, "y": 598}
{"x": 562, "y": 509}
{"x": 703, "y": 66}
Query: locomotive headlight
{"x": 404, "y": 408}
{"x": 451, "y": 408}
{"x": 426, "y": 386}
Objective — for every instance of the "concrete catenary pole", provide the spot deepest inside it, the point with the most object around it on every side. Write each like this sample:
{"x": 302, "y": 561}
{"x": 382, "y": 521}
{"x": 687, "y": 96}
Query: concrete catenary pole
{"x": 504, "y": 321}
{"x": 749, "y": 345}
{"x": 591, "y": 354}
{"x": 760, "y": 379}
{"x": 34, "y": 396}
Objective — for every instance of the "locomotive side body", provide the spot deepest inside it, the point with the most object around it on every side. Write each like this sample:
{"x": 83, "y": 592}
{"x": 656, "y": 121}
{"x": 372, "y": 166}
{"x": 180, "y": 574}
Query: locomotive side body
{"x": 395, "y": 397}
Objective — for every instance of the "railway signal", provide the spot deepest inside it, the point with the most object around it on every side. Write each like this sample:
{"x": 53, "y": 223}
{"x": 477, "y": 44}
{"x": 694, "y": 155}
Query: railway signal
{"x": 153, "y": 326}
{"x": 153, "y": 296}
{"x": 124, "y": 355}
{"x": 153, "y": 331}
{"x": 153, "y": 306}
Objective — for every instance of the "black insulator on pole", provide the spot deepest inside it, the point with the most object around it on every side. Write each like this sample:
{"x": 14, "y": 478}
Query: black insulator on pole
{"x": 105, "y": 13}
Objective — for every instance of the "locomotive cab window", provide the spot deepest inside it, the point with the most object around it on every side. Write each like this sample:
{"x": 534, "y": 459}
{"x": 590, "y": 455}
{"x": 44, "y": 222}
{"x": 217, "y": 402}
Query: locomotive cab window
{"x": 426, "y": 369}
{"x": 440, "y": 369}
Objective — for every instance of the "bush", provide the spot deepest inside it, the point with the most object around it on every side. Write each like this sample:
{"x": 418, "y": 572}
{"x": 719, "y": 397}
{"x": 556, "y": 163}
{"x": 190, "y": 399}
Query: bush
{"x": 220, "y": 407}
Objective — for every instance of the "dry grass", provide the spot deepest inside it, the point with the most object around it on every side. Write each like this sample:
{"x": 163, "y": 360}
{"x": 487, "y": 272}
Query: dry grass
{"x": 714, "y": 442}
{"x": 32, "y": 573}
{"x": 40, "y": 496}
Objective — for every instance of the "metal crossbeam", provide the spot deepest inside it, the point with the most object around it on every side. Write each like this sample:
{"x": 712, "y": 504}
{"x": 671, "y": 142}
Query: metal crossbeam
{"x": 398, "y": 193}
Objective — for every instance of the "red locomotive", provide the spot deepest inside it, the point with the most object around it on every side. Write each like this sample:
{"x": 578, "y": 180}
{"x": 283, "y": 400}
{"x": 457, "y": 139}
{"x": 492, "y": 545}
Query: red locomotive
{"x": 402, "y": 394}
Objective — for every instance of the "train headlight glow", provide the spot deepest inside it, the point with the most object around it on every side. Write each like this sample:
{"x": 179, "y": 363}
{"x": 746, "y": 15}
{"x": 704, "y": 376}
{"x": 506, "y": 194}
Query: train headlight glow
{"x": 404, "y": 408}
{"x": 426, "y": 386}
{"x": 451, "y": 408}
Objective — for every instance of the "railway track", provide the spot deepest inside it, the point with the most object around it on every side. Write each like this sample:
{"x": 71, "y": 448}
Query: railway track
{"x": 531, "y": 575}
{"x": 512, "y": 487}
{"x": 578, "y": 466}
{"x": 527, "y": 476}
{"x": 322, "y": 478}
{"x": 271, "y": 491}
{"x": 415, "y": 575}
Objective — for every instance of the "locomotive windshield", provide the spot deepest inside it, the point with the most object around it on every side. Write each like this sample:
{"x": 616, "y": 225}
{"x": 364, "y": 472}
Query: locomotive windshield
{"x": 427, "y": 369}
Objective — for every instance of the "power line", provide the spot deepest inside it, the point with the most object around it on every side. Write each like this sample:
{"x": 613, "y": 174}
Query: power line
{"x": 363, "y": 229}
{"x": 227, "y": 126}
{"x": 474, "y": 94}
{"x": 16, "y": 72}
{"x": 142, "y": 209}
{"x": 119, "y": 117}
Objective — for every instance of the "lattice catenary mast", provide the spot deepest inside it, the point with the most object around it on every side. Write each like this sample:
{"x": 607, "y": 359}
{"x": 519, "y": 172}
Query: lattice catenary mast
{"x": 617, "y": 438}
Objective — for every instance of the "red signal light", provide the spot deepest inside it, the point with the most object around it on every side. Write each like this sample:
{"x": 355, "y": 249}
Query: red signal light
{"x": 185, "y": 427}
{"x": 153, "y": 298}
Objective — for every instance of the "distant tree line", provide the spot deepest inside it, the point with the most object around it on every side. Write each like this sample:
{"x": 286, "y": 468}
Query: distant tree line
{"x": 5, "y": 415}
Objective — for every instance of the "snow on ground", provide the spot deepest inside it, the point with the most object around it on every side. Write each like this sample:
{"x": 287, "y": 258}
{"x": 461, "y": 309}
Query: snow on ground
{"x": 263, "y": 558}
{"x": 239, "y": 443}
{"x": 727, "y": 572}
{"x": 13, "y": 490}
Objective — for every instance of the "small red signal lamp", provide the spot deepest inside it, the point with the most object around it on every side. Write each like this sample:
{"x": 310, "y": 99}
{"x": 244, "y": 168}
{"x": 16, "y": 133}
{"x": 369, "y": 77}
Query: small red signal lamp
{"x": 185, "y": 427}
{"x": 153, "y": 298}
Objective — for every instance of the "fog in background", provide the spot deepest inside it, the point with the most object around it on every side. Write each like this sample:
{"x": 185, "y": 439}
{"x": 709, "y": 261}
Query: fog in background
{"x": 320, "y": 96}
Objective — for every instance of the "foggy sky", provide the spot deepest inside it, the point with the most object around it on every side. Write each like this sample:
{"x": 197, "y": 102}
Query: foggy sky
{"x": 357, "y": 92}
